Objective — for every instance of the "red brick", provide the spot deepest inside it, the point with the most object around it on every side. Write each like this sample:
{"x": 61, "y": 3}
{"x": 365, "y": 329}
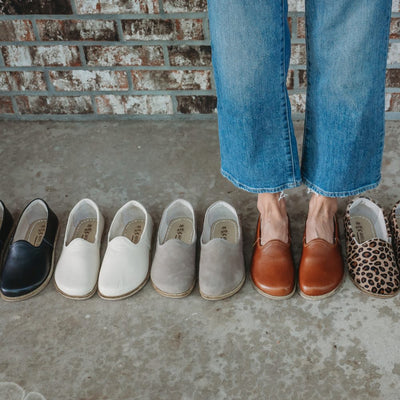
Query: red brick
{"x": 395, "y": 28}
{"x": 393, "y": 78}
{"x": 6, "y": 105}
{"x": 301, "y": 27}
{"x": 25, "y": 7}
{"x": 171, "y": 80}
{"x": 89, "y": 80}
{"x": 190, "y": 55}
{"x": 171, "y": 6}
{"x": 290, "y": 79}
{"x": 124, "y": 55}
{"x": 15, "y": 31}
{"x": 111, "y": 104}
{"x": 54, "y": 105}
{"x": 117, "y": 6}
{"x": 197, "y": 104}
{"x": 18, "y": 56}
{"x": 77, "y": 30}
{"x": 302, "y": 78}
{"x": 290, "y": 25}
{"x": 163, "y": 29}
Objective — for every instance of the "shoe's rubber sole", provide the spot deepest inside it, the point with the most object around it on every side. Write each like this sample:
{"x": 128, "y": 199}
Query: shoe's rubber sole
{"x": 226, "y": 295}
{"x": 326, "y": 295}
{"x": 270, "y": 296}
{"x": 174, "y": 295}
{"x": 125, "y": 295}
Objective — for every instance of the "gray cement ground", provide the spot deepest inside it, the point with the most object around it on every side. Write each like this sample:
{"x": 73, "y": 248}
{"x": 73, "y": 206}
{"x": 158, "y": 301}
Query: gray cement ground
{"x": 150, "y": 347}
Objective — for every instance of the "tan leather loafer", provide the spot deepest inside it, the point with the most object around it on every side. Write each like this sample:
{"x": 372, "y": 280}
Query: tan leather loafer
{"x": 272, "y": 269}
{"x": 321, "y": 268}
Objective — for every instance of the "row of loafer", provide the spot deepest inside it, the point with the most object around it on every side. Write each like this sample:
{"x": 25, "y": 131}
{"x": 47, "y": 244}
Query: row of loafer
{"x": 373, "y": 245}
{"x": 125, "y": 268}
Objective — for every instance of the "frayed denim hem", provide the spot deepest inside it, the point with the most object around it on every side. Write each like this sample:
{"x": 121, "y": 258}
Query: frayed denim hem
{"x": 318, "y": 190}
{"x": 250, "y": 189}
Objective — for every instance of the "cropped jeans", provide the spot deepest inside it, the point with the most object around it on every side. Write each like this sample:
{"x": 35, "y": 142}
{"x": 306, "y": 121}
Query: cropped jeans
{"x": 347, "y": 44}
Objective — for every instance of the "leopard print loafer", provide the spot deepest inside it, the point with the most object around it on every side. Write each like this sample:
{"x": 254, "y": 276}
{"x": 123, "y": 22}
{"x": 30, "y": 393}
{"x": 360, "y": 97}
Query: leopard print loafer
{"x": 370, "y": 256}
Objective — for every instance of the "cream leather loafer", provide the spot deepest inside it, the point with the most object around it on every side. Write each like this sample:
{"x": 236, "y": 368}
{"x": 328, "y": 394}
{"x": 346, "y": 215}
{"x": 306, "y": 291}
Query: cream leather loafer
{"x": 125, "y": 267}
{"x": 78, "y": 267}
{"x": 173, "y": 268}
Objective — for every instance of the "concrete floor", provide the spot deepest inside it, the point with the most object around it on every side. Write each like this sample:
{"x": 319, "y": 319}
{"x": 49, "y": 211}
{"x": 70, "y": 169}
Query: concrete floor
{"x": 152, "y": 348}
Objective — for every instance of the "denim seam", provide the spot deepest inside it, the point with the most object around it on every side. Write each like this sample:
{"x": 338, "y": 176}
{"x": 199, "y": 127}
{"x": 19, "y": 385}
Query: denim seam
{"x": 252, "y": 189}
{"x": 347, "y": 193}
{"x": 284, "y": 92}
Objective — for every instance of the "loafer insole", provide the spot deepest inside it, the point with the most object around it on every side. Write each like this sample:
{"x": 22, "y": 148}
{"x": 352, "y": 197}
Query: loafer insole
{"x": 36, "y": 231}
{"x": 133, "y": 230}
{"x": 86, "y": 230}
{"x": 363, "y": 229}
{"x": 181, "y": 229}
{"x": 225, "y": 229}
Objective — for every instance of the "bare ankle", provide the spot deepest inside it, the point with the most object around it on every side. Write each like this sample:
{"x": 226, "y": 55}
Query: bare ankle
{"x": 274, "y": 220}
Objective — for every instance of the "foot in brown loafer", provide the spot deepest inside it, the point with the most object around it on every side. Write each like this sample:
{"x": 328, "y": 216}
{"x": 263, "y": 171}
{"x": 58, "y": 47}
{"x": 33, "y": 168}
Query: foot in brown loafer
{"x": 272, "y": 269}
{"x": 321, "y": 268}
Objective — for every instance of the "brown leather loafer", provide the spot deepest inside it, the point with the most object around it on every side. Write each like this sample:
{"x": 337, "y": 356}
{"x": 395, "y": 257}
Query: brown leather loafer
{"x": 272, "y": 269}
{"x": 321, "y": 268}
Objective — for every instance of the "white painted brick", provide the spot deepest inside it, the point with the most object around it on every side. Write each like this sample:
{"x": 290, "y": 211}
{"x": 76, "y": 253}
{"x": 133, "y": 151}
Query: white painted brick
{"x": 298, "y": 102}
{"x": 17, "y": 56}
{"x": 296, "y": 5}
{"x": 394, "y": 53}
{"x": 111, "y": 104}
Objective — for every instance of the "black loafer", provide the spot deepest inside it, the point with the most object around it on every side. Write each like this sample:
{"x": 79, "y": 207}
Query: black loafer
{"x": 6, "y": 224}
{"x": 29, "y": 260}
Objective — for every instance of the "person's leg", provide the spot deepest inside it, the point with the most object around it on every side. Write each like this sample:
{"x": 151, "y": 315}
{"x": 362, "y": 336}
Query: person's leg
{"x": 347, "y": 45}
{"x": 250, "y": 43}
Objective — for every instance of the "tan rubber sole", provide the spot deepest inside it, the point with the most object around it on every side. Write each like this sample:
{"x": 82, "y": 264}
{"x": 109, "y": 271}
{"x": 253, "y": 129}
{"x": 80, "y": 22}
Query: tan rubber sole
{"x": 84, "y": 297}
{"x": 44, "y": 284}
{"x": 226, "y": 295}
{"x": 174, "y": 295}
{"x": 126, "y": 295}
{"x": 270, "y": 296}
{"x": 326, "y": 295}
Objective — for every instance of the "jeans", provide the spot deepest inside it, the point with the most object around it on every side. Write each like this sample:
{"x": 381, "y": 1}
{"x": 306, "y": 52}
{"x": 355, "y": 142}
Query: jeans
{"x": 347, "y": 44}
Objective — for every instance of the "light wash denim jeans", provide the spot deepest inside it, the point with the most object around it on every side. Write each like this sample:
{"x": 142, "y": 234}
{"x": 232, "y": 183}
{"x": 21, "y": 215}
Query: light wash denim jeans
{"x": 347, "y": 43}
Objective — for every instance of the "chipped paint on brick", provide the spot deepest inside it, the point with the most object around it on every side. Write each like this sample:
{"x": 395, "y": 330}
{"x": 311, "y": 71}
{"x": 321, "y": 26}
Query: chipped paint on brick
{"x": 171, "y": 80}
{"x": 6, "y": 105}
{"x": 16, "y": 31}
{"x": 54, "y": 105}
{"x": 117, "y": 6}
{"x": 171, "y": 6}
{"x": 124, "y": 55}
{"x": 145, "y": 105}
{"x": 190, "y": 55}
{"x": 77, "y": 30}
{"x": 89, "y": 80}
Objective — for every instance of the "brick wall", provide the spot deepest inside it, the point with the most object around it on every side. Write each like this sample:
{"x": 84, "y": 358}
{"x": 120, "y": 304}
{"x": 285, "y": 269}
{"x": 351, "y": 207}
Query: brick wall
{"x": 92, "y": 59}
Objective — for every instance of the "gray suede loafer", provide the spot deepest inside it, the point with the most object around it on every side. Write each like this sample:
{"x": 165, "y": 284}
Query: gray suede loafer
{"x": 173, "y": 268}
{"x": 221, "y": 270}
